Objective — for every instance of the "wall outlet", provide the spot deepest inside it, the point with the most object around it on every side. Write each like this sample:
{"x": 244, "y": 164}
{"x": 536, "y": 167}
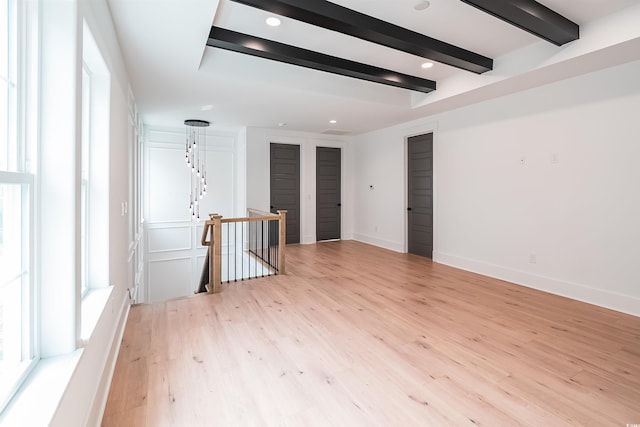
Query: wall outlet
{"x": 523, "y": 161}
{"x": 532, "y": 258}
{"x": 375, "y": 228}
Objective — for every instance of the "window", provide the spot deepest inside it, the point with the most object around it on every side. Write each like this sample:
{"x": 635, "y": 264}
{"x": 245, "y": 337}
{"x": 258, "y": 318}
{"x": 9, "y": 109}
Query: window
{"x": 8, "y": 84}
{"x": 94, "y": 183}
{"x": 84, "y": 179}
{"x": 17, "y": 338}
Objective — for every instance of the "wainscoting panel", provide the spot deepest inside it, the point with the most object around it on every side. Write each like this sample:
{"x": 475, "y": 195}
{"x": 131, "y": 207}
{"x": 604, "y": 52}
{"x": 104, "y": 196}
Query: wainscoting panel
{"x": 167, "y": 185}
{"x": 168, "y": 280}
{"x": 169, "y": 239}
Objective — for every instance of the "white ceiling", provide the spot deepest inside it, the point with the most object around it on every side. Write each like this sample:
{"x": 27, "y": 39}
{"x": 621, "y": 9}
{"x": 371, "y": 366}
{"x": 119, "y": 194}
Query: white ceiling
{"x": 174, "y": 75}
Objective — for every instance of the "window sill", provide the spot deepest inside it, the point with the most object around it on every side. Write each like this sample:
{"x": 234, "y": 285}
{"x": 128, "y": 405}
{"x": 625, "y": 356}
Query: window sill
{"x": 94, "y": 303}
{"x": 37, "y": 399}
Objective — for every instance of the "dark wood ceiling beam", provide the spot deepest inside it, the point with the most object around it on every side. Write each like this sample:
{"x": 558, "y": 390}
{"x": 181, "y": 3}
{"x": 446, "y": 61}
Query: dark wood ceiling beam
{"x": 263, "y": 48}
{"x": 341, "y": 19}
{"x": 533, "y": 17}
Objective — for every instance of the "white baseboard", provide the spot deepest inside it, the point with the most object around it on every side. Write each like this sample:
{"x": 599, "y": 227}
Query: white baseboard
{"x": 393, "y": 246}
{"x": 614, "y": 301}
{"x": 102, "y": 394}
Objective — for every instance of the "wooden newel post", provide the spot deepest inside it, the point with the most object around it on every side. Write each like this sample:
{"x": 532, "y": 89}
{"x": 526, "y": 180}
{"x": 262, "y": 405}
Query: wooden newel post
{"x": 282, "y": 226}
{"x": 215, "y": 255}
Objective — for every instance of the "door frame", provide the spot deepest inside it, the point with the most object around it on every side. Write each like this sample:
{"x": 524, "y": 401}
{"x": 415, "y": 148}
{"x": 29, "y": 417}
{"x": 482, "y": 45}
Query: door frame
{"x": 430, "y": 128}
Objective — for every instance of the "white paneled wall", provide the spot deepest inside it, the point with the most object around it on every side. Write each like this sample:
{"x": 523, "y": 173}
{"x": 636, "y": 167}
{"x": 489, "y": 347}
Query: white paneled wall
{"x": 133, "y": 207}
{"x": 174, "y": 254}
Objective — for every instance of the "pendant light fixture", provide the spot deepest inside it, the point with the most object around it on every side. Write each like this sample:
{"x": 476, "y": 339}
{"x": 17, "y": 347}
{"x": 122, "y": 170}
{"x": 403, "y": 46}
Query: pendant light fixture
{"x": 196, "y": 158}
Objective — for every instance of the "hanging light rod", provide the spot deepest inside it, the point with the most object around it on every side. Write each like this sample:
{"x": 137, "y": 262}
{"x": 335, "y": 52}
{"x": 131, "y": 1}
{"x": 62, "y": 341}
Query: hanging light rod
{"x": 197, "y": 123}
{"x": 196, "y": 157}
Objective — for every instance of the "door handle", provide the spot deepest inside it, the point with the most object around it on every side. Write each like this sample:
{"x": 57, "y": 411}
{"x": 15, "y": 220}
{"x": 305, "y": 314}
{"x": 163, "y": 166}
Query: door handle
{"x": 408, "y": 209}
{"x": 339, "y": 204}
{"x": 271, "y": 207}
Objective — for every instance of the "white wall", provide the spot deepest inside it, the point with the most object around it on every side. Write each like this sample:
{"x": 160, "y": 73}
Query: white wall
{"x": 258, "y": 141}
{"x": 174, "y": 253}
{"x": 549, "y": 174}
{"x": 379, "y": 194}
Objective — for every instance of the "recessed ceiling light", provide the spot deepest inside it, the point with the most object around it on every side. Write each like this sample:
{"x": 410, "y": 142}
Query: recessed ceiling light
{"x": 422, "y": 5}
{"x": 427, "y": 65}
{"x": 281, "y": 124}
{"x": 272, "y": 21}
{"x": 333, "y": 122}
{"x": 207, "y": 107}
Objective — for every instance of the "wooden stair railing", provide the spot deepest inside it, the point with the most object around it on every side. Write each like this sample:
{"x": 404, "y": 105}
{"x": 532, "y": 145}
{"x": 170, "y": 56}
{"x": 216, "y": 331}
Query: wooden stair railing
{"x": 212, "y": 239}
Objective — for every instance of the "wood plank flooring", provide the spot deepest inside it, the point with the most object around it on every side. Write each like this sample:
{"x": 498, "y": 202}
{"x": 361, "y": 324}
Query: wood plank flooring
{"x": 355, "y": 335}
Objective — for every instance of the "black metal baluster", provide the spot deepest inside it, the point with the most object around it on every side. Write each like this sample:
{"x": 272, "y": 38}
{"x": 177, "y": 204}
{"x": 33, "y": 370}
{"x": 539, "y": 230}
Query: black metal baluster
{"x": 275, "y": 243}
{"x": 242, "y": 257}
{"x": 269, "y": 243}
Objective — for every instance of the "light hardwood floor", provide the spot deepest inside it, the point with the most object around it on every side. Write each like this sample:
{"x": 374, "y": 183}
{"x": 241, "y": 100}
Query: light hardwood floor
{"x": 355, "y": 335}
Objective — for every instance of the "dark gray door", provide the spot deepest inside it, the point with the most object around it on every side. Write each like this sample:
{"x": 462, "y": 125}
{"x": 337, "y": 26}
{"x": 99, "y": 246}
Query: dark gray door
{"x": 328, "y": 202}
{"x": 285, "y": 186}
{"x": 420, "y": 209}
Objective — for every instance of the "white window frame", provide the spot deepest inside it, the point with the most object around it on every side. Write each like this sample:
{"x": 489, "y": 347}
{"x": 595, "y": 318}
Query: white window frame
{"x": 21, "y": 137}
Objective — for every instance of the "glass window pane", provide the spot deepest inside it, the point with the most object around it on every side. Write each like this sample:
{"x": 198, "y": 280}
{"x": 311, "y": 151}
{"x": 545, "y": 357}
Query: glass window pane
{"x": 1, "y": 221}
{"x": 10, "y": 315}
{"x": 13, "y": 40}
{"x": 4, "y": 132}
{"x": 86, "y": 121}
{"x": 11, "y": 248}
{"x": 84, "y": 254}
{"x": 4, "y": 41}
{"x": 8, "y": 74}
{"x": 13, "y": 157}
{"x": 8, "y": 145}
{"x": 15, "y": 288}
{"x": 84, "y": 193}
